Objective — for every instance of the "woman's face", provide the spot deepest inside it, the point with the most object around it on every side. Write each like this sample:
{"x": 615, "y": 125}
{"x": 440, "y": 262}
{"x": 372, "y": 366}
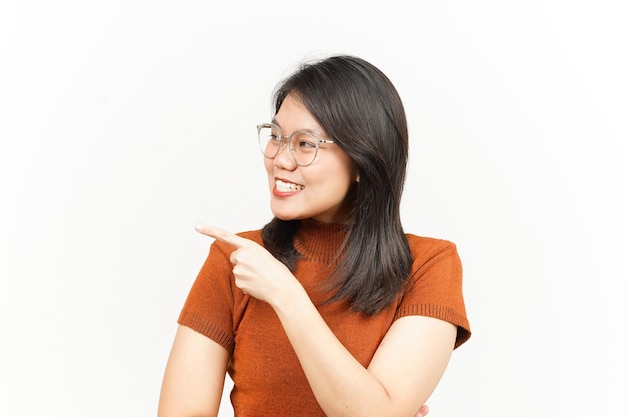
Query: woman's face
{"x": 316, "y": 191}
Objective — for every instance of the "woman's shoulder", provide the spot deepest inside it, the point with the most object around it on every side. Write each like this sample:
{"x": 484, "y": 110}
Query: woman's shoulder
{"x": 425, "y": 248}
{"x": 425, "y": 241}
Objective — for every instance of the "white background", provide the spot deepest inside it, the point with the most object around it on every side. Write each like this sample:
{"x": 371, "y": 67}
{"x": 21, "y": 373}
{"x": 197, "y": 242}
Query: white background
{"x": 123, "y": 123}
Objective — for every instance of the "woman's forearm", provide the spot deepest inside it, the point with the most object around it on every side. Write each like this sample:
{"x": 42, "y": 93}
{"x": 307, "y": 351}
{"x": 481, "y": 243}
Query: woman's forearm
{"x": 342, "y": 386}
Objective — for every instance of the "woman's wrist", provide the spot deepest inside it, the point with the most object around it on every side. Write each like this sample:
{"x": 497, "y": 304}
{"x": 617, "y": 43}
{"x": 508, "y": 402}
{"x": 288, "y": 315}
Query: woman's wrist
{"x": 293, "y": 296}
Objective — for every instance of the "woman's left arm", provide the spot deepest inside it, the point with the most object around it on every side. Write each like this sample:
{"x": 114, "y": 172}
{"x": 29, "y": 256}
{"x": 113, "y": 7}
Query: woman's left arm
{"x": 404, "y": 371}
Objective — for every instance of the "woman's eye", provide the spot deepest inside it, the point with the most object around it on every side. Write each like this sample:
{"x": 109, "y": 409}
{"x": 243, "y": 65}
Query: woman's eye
{"x": 306, "y": 144}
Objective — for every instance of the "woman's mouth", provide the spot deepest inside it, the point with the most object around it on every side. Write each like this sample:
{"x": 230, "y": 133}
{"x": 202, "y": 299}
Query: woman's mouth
{"x": 285, "y": 187}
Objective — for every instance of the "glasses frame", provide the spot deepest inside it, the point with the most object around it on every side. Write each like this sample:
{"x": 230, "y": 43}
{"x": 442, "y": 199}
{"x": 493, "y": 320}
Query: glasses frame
{"x": 283, "y": 139}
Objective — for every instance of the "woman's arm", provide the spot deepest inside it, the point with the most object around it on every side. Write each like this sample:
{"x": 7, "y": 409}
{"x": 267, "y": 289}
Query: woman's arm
{"x": 194, "y": 376}
{"x": 405, "y": 369}
{"x": 403, "y": 372}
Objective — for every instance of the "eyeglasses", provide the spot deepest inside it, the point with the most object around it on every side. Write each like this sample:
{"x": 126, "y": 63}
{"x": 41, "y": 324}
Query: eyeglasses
{"x": 303, "y": 145}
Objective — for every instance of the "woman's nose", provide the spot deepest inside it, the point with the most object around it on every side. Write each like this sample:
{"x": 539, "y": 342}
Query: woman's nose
{"x": 283, "y": 158}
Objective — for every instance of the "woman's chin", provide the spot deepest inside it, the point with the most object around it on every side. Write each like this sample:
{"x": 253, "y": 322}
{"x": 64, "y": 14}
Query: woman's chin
{"x": 286, "y": 217}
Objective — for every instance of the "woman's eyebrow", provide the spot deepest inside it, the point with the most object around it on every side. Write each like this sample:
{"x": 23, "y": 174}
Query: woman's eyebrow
{"x": 314, "y": 132}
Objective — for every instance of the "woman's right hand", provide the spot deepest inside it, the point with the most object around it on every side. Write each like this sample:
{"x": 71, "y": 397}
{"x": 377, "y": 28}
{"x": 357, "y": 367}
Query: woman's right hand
{"x": 257, "y": 272}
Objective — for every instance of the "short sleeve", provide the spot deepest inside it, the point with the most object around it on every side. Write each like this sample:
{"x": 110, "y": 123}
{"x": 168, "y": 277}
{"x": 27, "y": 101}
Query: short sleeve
{"x": 435, "y": 288}
{"x": 209, "y": 306}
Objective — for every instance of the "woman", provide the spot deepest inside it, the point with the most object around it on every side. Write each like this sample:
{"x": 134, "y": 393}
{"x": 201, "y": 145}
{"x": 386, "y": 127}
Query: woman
{"x": 330, "y": 309}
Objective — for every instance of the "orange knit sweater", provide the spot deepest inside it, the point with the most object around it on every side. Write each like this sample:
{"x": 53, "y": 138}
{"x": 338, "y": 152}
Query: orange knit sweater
{"x": 268, "y": 379}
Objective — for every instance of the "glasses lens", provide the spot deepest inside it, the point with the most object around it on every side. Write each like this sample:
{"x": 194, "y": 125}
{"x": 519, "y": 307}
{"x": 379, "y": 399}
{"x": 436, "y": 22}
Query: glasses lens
{"x": 268, "y": 141}
{"x": 303, "y": 147}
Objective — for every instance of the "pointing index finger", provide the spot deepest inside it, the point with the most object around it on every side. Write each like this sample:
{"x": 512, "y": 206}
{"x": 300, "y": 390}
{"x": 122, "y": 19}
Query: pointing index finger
{"x": 221, "y": 235}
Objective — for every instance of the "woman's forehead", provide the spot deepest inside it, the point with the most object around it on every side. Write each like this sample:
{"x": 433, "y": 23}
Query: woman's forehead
{"x": 293, "y": 115}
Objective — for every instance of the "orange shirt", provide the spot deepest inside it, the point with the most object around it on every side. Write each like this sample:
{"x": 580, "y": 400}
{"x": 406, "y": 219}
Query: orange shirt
{"x": 268, "y": 379}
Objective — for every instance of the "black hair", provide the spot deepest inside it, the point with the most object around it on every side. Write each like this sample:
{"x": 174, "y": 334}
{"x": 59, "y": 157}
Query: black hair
{"x": 359, "y": 108}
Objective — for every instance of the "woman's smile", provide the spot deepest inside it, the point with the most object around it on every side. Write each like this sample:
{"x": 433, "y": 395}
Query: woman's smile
{"x": 283, "y": 186}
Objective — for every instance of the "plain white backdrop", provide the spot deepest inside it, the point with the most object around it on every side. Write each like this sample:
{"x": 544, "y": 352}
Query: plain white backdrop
{"x": 123, "y": 123}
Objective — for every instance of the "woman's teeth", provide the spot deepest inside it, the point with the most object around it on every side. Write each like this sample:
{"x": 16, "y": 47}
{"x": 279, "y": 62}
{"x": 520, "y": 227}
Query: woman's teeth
{"x": 288, "y": 186}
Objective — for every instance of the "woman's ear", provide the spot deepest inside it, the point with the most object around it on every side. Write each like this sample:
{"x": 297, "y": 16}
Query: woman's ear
{"x": 356, "y": 172}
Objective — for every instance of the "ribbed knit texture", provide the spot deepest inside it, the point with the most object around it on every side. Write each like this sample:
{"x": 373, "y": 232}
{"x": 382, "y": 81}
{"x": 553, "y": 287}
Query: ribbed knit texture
{"x": 267, "y": 375}
{"x": 319, "y": 242}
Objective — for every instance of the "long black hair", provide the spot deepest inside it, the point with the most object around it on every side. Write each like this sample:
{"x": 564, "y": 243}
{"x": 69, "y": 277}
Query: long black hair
{"x": 360, "y": 109}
